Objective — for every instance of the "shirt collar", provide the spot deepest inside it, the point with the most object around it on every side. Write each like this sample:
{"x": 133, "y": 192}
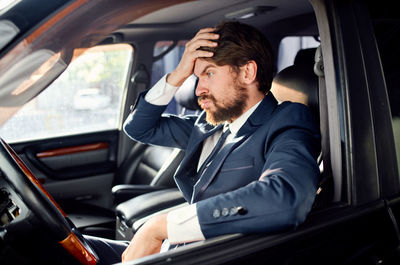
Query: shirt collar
{"x": 235, "y": 126}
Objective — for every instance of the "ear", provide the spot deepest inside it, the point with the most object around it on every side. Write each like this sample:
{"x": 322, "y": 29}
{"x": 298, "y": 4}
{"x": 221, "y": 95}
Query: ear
{"x": 249, "y": 72}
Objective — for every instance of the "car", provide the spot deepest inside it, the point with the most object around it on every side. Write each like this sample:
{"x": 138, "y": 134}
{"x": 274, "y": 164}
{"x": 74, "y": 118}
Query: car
{"x": 65, "y": 172}
{"x": 90, "y": 98}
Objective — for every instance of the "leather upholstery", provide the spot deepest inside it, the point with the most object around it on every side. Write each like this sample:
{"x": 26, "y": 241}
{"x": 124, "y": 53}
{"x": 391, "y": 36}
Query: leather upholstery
{"x": 149, "y": 203}
{"x": 298, "y": 83}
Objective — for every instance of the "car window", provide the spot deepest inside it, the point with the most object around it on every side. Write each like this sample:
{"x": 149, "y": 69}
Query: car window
{"x": 87, "y": 97}
{"x": 289, "y": 46}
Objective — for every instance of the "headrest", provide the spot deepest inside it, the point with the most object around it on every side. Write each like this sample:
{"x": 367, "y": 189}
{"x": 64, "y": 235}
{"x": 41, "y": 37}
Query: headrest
{"x": 298, "y": 83}
{"x": 305, "y": 57}
{"x": 186, "y": 96}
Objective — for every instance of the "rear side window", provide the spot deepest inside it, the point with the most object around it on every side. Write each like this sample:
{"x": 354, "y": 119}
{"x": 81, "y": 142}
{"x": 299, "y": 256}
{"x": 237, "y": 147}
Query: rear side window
{"x": 289, "y": 47}
{"x": 87, "y": 97}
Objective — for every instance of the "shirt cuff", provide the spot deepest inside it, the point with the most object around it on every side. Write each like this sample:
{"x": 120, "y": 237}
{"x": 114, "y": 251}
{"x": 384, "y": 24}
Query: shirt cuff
{"x": 161, "y": 93}
{"x": 183, "y": 225}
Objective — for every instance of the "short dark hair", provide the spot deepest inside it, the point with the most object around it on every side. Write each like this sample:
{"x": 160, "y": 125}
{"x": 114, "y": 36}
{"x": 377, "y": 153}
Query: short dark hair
{"x": 240, "y": 43}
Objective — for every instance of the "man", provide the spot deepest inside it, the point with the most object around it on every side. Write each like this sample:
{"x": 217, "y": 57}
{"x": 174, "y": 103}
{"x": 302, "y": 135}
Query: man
{"x": 265, "y": 175}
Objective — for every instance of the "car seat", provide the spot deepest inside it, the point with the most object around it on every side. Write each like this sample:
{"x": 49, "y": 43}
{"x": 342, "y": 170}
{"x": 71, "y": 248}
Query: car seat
{"x": 301, "y": 83}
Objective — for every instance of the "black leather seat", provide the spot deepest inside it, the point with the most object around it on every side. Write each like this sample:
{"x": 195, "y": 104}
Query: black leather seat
{"x": 298, "y": 82}
{"x": 151, "y": 168}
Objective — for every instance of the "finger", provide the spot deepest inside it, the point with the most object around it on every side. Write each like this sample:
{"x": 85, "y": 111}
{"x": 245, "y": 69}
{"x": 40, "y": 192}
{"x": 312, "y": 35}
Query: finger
{"x": 192, "y": 46}
{"x": 205, "y": 30}
{"x": 200, "y": 53}
{"x": 206, "y": 36}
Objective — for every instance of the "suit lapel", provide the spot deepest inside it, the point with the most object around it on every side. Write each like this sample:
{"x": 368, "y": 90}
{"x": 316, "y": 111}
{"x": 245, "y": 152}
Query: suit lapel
{"x": 260, "y": 116}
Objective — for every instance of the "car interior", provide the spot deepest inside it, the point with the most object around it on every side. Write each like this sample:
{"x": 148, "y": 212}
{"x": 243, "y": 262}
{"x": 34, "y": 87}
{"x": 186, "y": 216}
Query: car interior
{"x": 148, "y": 170}
{"x": 124, "y": 172}
{"x": 109, "y": 185}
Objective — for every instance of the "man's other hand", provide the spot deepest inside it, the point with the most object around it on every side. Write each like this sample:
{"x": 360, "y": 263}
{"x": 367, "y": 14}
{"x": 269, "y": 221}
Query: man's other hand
{"x": 148, "y": 239}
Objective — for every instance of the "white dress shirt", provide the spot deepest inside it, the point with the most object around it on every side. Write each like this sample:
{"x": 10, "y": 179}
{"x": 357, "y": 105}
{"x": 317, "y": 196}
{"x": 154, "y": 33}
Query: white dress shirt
{"x": 182, "y": 224}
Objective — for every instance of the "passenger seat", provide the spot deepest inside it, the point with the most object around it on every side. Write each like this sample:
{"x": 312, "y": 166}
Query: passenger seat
{"x": 151, "y": 168}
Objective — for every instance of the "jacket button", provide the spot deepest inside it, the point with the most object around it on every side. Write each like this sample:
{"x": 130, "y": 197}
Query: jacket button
{"x": 241, "y": 210}
{"x": 233, "y": 211}
{"x": 224, "y": 212}
{"x": 216, "y": 213}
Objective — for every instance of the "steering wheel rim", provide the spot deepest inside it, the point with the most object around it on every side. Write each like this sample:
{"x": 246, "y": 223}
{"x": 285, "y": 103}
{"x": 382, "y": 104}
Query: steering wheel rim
{"x": 42, "y": 204}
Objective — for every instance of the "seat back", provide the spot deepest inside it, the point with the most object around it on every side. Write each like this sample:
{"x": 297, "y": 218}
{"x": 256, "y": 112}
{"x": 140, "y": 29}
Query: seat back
{"x": 142, "y": 164}
{"x": 156, "y": 165}
{"x": 299, "y": 83}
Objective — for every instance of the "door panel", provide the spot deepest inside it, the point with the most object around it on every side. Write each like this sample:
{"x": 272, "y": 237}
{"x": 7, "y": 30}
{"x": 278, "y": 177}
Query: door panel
{"x": 339, "y": 235}
{"x": 76, "y": 191}
{"x": 74, "y": 169}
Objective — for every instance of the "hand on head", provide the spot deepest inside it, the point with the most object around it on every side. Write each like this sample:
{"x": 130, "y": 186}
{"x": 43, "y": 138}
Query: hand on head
{"x": 204, "y": 38}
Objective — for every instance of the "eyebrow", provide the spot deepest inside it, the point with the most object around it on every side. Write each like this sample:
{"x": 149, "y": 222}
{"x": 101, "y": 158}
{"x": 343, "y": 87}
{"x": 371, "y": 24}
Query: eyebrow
{"x": 205, "y": 69}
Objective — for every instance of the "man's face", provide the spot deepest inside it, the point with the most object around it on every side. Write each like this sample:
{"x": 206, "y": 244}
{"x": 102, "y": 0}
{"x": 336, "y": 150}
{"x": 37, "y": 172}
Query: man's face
{"x": 219, "y": 92}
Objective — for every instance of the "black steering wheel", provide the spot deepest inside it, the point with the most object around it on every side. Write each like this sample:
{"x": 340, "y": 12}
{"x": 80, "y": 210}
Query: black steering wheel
{"x": 40, "y": 202}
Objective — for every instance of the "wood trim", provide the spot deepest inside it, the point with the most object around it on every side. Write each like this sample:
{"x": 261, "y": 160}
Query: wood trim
{"x": 73, "y": 150}
{"x": 52, "y": 21}
{"x": 76, "y": 248}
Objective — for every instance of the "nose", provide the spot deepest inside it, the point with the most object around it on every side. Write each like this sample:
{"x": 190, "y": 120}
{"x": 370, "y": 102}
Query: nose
{"x": 201, "y": 88}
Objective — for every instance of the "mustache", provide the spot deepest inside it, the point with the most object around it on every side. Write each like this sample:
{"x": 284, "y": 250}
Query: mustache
{"x": 204, "y": 97}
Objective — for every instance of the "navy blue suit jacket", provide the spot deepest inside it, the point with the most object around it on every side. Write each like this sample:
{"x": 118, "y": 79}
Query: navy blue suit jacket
{"x": 269, "y": 169}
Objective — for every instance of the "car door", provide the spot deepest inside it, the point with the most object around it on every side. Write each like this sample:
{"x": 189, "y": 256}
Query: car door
{"x": 69, "y": 134}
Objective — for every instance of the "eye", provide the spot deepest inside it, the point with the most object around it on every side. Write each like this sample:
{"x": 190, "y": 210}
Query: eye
{"x": 210, "y": 74}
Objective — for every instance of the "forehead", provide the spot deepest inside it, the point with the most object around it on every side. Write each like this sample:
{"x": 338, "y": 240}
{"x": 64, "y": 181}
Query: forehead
{"x": 201, "y": 65}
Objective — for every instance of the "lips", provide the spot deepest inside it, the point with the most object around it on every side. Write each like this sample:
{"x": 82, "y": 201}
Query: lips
{"x": 205, "y": 103}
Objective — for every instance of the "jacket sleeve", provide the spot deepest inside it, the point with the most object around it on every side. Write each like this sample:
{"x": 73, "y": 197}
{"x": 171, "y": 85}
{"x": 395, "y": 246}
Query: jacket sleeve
{"x": 284, "y": 193}
{"x": 148, "y": 125}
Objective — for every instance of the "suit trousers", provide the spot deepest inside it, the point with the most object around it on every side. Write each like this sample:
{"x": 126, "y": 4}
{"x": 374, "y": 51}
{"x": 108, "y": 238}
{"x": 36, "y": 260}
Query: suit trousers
{"x": 108, "y": 250}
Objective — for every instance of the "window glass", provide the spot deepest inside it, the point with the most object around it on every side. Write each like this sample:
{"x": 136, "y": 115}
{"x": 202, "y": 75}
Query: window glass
{"x": 87, "y": 97}
{"x": 289, "y": 47}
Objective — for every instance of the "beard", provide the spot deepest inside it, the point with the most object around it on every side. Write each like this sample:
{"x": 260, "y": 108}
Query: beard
{"x": 230, "y": 111}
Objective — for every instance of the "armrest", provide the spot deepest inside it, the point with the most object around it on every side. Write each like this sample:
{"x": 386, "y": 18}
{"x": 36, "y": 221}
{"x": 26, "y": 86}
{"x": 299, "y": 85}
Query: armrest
{"x": 126, "y": 192}
{"x": 147, "y": 204}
